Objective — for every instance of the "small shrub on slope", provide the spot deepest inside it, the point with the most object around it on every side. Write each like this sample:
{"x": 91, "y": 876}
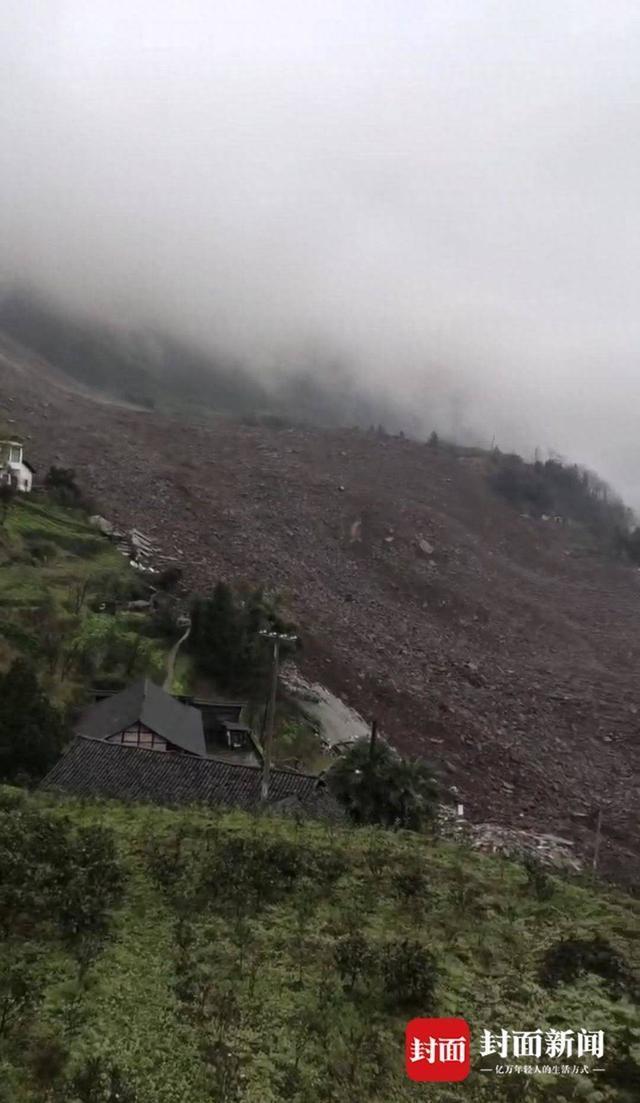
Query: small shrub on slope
{"x": 568, "y": 959}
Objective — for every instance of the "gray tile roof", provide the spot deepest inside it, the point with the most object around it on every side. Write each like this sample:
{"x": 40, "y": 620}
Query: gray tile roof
{"x": 93, "y": 768}
{"x": 145, "y": 702}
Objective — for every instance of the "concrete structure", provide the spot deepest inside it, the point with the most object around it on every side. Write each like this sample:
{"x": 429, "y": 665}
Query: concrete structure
{"x": 14, "y": 469}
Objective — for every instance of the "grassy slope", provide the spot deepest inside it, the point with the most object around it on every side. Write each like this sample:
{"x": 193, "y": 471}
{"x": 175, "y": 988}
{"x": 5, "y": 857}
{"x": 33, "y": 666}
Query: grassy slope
{"x": 80, "y": 551}
{"x": 75, "y": 552}
{"x": 71, "y": 552}
{"x": 268, "y": 1019}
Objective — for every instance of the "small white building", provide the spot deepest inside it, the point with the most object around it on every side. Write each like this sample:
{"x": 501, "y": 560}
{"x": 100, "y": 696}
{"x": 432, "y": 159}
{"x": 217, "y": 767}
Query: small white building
{"x": 14, "y": 469}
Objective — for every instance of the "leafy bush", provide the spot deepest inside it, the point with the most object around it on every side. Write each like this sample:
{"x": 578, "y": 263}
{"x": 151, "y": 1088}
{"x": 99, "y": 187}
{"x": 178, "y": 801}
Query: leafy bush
{"x": 326, "y": 866}
{"x": 383, "y": 788}
{"x": 410, "y": 975}
{"x": 566, "y": 960}
{"x": 238, "y": 873}
{"x": 538, "y": 879}
{"x": 400, "y": 972}
{"x": 252, "y": 872}
{"x": 32, "y": 732}
{"x": 114, "y": 587}
{"x": 100, "y": 1081}
{"x": 355, "y": 958}
{"x": 62, "y": 488}
{"x": 103, "y": 642}
{"x": 53, "y": 875}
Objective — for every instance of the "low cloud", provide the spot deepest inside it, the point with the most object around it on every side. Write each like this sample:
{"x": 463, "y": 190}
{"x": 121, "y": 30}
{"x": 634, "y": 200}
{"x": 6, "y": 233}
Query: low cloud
{"x": 441, "y": 196}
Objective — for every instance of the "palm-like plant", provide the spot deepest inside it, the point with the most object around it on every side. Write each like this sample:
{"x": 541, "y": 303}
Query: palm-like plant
{"x": 383, "y": 788}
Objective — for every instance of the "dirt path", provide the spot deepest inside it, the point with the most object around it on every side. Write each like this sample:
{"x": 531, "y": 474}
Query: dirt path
{"x": 171, "y": 659}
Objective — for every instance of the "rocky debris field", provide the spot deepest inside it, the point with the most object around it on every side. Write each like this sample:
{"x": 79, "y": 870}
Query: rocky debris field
{"x": 545, "y": 850}
{"x": 494, "y": 645}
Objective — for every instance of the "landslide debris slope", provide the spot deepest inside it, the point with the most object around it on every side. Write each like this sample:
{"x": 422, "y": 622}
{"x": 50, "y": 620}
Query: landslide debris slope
{"x": 490, "y": 643}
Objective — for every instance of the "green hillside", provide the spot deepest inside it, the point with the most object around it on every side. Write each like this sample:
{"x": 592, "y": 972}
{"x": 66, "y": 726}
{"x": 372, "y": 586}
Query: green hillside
{"x": 64, "y": 591}
{"x": 155, "y": 956}
{"x": 57, "y": 578}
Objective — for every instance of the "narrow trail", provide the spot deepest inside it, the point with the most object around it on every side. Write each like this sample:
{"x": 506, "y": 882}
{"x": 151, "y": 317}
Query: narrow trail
{"x": 171, "y": 659}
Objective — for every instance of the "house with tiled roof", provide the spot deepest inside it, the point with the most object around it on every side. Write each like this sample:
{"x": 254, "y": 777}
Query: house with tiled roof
{"x": 143, "y": 715}
{"x": 225, "y": 732}
{"x": 101, "y": 768}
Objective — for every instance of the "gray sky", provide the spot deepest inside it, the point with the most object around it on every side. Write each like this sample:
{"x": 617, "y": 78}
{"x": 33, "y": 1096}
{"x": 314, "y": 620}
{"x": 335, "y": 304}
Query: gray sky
{"x": 443, "y": 192}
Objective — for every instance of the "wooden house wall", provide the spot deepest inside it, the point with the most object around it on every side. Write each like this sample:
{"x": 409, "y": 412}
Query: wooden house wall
{"x": 139, "y": 735}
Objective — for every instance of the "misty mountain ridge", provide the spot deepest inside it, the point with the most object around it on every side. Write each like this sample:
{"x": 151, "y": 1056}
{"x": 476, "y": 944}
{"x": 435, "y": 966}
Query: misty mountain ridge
{"x": 155, "y": 370}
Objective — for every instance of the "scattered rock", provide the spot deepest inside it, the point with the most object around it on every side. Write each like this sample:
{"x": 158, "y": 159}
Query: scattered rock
{"x": 550, "y": 850}
{"x": 101, "y": 523}
{"x": 425, "y": 548}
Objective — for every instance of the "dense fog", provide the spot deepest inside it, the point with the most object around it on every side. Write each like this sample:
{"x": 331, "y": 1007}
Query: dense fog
{"x": 440, "y": 197}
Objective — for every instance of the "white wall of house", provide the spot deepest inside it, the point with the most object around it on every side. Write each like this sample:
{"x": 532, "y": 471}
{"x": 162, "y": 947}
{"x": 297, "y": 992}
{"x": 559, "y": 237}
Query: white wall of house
{"x": 11, "y": 456}
{"x": 22, "y": 476}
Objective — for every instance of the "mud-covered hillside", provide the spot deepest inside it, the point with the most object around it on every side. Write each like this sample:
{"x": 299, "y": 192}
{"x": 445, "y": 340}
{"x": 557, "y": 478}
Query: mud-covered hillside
{"x": 501, "y": 647}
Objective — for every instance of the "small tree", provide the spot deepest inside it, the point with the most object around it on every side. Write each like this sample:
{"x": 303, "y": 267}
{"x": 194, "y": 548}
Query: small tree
{"x": 31, "y": 730}
{"x": 384, "y": 788}
{"x": 169, "y": 579}
{"x": 61, "y": 485}
{"x": 226, "y": 641}
{"x": 215, "y": 635}
{"x": 410, "y": 975}
{"x": 61, "y": 477}
{"x": 355, "y": 958}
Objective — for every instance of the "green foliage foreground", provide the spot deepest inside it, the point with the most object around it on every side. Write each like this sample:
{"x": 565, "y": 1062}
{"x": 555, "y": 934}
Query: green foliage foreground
{"x": 155, "y": 956}
{"x": 32, "y": 732}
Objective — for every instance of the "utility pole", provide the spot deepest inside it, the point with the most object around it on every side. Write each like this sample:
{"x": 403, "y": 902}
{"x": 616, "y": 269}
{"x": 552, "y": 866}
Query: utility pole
{"x": 278, "y": 638}
{"x": 596, "y": 849}
{"x": 372, "y": 741}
